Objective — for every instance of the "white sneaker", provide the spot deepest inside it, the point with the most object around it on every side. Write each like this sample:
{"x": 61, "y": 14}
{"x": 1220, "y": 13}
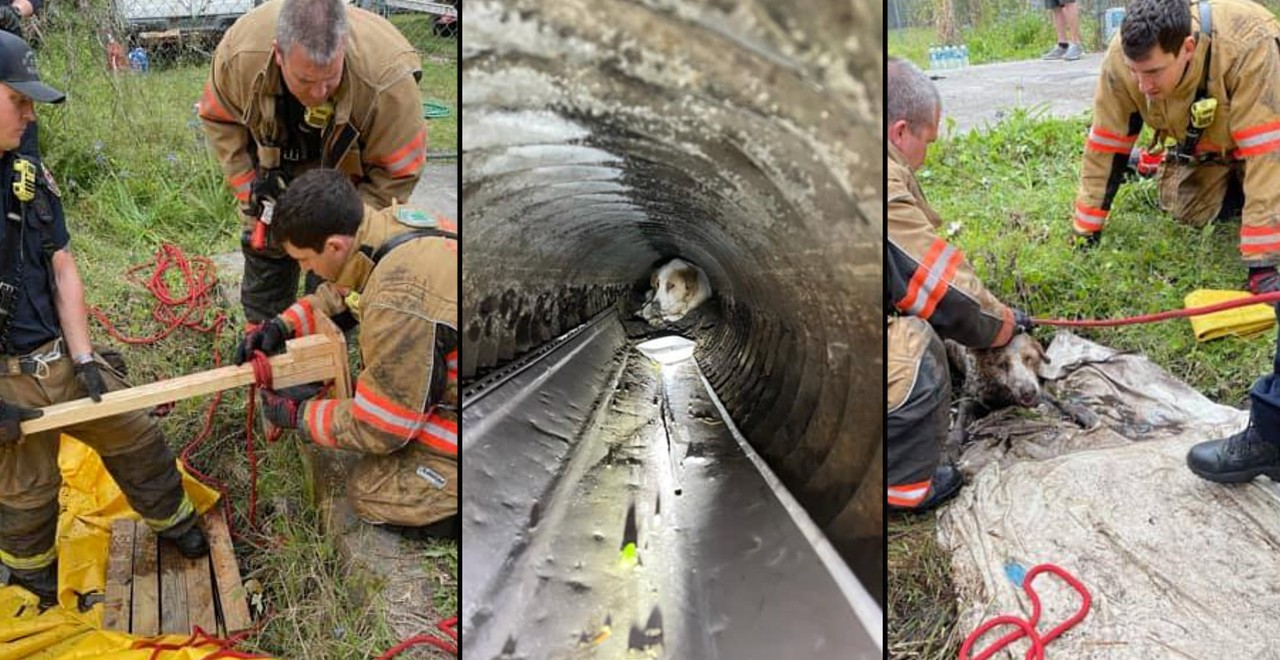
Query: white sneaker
{"x": 1072, "y": 53}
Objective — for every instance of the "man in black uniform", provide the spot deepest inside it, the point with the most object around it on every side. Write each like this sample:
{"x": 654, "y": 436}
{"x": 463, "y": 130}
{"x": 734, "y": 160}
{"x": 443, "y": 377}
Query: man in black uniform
{"x": 46, "y": 358}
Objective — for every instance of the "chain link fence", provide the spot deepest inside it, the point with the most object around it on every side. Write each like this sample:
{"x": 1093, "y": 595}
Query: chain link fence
{"x": 951, "y": 19}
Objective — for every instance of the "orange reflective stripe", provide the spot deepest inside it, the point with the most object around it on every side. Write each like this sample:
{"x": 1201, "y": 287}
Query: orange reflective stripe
{"x": 909, "y": 494}
{"x": 407, "y": 159}
{"x": 1106, "y": 141}
{"x": 440, "y": 434}
{"x": 1257, "y": 139}
{"x": 300, "y": 317}
{"x": 1089, "y": 219}
{"x": 319, "y": 419}
{"x": 211, "y": 108}
{"x": 1259, "y": 240}
{"x": 940, "y": 289}
{"x": 913, "y": 302}
{"x": 242, "y": 183}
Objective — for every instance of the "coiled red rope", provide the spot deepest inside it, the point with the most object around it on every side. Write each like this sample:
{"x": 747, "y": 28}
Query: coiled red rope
{"x": 1274, "y": 296}
{"x": 1027, "y": 628}
{"x": 449, "y": 626}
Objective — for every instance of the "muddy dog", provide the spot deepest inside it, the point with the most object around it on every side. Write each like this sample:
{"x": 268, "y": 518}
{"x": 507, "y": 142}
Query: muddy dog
{"x": 996, "y": 378}
{"x": 676, "y": 289}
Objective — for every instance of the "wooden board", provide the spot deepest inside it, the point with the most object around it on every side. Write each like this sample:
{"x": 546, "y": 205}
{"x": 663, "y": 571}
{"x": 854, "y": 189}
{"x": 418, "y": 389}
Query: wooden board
{"x": 117, "y": 610}
{"x": 308, "y": 359}
{"x": 231, "y": 594}
{"x": 152, "y": 589}
{"x": 146, "y": 582}
{"x": 173, "y": 592}
{"x": 200, "y": 608}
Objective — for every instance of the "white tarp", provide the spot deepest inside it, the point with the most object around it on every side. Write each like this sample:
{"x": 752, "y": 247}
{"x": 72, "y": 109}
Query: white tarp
{"x": 1178, "y": 567}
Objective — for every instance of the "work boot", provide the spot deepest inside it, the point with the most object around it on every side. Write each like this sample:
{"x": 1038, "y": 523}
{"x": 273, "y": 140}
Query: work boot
{"x": 189, "y": 538}
{"x": 1072, "y": 53}
{"x": 1056, "y": 52}
{"x": 1236, "y": 459}
{"x": 43, "y": 582}
{"x": 946, "y": 483}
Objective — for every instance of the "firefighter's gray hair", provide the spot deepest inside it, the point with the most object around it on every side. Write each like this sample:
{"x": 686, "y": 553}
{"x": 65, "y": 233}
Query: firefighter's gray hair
{"x": 912, "y": 96}
{"x": 319, "y": 27}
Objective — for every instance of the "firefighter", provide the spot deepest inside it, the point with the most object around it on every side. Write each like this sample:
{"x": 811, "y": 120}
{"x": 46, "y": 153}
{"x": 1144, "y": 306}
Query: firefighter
{"x": 299, "y": 84}
{"x": 1206, "y": 77}
{"x": 46, "y": 358}
{"x": 396, "y": 269}
{"x": 931, "y": 292}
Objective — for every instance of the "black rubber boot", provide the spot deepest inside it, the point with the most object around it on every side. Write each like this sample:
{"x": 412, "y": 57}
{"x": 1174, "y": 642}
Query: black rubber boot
{"x": 43, "y": 582}
{"x": 946, "y": 483}
{"x": 189, "y": 538}
{"x": 1235, "y": 459}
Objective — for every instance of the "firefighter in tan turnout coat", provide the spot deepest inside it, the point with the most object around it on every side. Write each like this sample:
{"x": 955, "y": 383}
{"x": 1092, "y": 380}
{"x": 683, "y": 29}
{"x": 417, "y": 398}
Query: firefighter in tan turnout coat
{"x": 397, "y": 270}
{"x": 299, "y": 84}
{"x": 931, "y": 291}
{"x": 1206, "y": 77}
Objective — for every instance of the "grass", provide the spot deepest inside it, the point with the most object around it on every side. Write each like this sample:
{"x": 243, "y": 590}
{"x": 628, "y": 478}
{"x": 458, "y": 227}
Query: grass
{"x": 1025, "y": 36}
{"x": 131, "y": 160}
{"x": 1005, "y": 197}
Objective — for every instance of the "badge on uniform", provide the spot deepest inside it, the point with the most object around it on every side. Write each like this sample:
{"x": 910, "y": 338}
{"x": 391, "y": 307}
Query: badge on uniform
{"x": 48, "y": 179}
{"x": 414, "y": 218}
{"x": 433, "y": 477}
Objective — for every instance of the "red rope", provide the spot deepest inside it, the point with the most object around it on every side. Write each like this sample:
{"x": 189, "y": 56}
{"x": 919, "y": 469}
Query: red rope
{"x": 1162, "y": 316}
{"x": 450, "y": 628}
{"x": 1027, "y": 628}
{"x": 226, "y": 647}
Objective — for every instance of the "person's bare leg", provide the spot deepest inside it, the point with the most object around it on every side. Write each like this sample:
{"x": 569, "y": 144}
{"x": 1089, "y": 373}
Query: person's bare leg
{"x": 1070, "y": 14}
{"x": 1059, "y": 23}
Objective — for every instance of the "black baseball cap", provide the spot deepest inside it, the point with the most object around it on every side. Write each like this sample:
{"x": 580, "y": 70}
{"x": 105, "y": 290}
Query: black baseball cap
{"x": 18, "y": 70}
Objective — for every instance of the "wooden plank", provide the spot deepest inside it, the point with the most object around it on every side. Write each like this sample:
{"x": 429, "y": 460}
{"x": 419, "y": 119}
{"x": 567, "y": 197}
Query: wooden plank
{"x": 342, "y": 381}
{"x": 235, "y": 606}
{"x": 146, "y": 582}
{"x": 117, "y": 609}
{"x": 200, "y": 610}
{"x": 308, "y": 359}
{"x": 173, "y": 592}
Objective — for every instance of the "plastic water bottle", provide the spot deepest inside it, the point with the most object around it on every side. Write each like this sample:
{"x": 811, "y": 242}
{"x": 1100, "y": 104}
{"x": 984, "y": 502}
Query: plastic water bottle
{"x": 933, "y": 58}
{"x": 952, "y": 62}
{"x": 138, "y": 60}
{"x": 964, "y": 56}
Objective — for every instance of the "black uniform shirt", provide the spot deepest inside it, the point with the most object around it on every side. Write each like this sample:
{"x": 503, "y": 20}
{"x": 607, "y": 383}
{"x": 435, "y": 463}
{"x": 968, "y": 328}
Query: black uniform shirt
{"x": 35, "y": 319}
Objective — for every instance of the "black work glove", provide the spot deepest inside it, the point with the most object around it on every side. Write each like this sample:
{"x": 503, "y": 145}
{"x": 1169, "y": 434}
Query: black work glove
{"x": 1263, "y": 280}
{"x": 280, "y": 407}
{"x": 10, "y": 20}
{"x": 268, "y": 338}
{"x": 1083, "y": 242}
{"x": 1021, "y": 321}
{"x": 11, "y": 418}
{"x": 269, "y": 184}
{"x": 91, "y": 378}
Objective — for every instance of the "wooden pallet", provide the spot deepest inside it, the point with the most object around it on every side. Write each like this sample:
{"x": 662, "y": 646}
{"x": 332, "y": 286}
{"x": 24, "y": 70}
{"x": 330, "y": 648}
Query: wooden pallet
{"x": 152, "y": 589}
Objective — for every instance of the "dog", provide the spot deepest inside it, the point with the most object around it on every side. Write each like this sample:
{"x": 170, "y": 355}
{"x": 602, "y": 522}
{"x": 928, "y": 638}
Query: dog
{"x": 676, "y": 288}
{"x": 996, "y": 378}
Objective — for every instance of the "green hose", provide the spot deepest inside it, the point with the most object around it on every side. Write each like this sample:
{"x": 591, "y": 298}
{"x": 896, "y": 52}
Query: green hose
{"x": 435, "y": 110}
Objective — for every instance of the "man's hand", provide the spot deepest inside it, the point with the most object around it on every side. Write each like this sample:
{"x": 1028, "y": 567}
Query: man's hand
{"x": 1081, "y": 242}
{"x": 1021, "y": 321}
{"x": 280, "y": 410}
{"x": 268, "y": 338}
{"x": 11, "y": 418}
{"x": 269, "y": 184}
{"x": 91, "y": 379}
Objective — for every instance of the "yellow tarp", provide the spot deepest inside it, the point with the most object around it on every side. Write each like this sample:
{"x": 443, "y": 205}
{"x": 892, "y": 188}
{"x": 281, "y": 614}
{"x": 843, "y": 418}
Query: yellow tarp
{"x": 90, "y": 501}
{"x": 1243, "y": 322}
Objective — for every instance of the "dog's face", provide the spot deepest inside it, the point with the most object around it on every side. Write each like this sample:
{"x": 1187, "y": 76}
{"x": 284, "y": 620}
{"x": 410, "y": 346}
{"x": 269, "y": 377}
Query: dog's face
{"x": 1012, "y": 371}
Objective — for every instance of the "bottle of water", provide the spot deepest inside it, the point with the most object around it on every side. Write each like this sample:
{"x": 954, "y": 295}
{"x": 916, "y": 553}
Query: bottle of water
{"x": 964, "y": 56}
{"x": 933, "y": 58}
{"x": 951, "y": 57}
